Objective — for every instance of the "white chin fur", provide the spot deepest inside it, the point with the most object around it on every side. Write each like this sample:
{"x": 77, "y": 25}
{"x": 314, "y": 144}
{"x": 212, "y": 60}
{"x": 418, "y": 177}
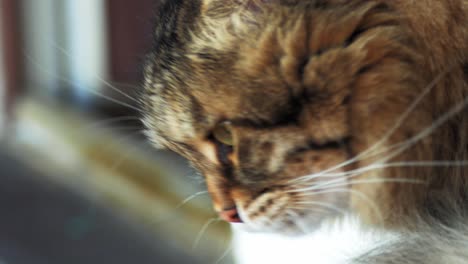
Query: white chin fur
{"x": 333, "y": 243}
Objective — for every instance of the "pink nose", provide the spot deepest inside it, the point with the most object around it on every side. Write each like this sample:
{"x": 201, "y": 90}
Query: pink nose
{"x": 230, "y": 215}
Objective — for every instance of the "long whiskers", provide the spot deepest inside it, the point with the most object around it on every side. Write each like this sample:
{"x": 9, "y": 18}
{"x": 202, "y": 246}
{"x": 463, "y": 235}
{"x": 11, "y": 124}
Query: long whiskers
{"x": 380, "y": 165}
{"x": 129, "y": 85}
{"x": 370, "y": 151}
{"x": 358, "y": 194}
{"x": 340, "y": 183}
{"x": 71, "y": 83}
{"x": 191, "y": 197}
{"x": 203, "y": 231}
{"x": 110, "y": 121}
{"x": 99, "y": 78}
{"x": 298, "y": 221}
{"x": 324, "y": 205}
{"x": 118, "y": 161}
{"x": 404, "y": 116}
{"x": 225, "y": 253}
{"x": 400, "y": 147}
{"x": 367, "y": 181}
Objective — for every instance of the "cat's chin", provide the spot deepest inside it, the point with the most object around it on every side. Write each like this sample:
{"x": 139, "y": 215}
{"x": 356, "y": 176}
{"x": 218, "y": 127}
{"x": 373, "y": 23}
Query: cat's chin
{"x": 291, "y": 213}
{"x": 289, "y": 226}
{"x": 286, "y": 231}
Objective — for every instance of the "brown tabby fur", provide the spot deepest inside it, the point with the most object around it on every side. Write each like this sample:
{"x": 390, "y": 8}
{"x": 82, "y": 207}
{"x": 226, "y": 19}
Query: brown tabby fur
{"x": 308, "y": 85}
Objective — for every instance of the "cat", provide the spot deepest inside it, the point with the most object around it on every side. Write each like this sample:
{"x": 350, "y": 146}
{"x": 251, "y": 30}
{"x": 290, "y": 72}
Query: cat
{"x": 300, "y": 111}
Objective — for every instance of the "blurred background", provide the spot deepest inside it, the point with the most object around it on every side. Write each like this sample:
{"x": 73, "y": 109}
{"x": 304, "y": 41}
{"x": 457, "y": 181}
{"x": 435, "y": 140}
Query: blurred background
{"x": 78, "y": 181}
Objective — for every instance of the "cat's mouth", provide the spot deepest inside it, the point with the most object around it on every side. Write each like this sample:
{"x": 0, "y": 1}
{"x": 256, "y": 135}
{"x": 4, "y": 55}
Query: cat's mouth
{"x": 295, "y": 208}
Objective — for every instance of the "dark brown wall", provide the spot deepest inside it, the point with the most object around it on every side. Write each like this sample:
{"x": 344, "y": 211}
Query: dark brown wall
{"x": 11, "y": 42}
{"x": 129, "y": 37}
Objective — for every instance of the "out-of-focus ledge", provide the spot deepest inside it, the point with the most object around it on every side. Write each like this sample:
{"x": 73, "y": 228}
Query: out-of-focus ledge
{"x": 115, "y": 170}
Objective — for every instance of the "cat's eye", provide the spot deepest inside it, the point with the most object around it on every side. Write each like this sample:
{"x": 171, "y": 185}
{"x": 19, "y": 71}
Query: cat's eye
{"x": 223, "y": 133}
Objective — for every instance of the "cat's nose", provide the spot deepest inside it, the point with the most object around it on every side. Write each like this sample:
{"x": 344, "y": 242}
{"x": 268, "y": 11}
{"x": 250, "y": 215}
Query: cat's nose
{"x": 230, "y": 215}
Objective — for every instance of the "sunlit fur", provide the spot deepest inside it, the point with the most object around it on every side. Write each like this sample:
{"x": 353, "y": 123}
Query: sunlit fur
{"x": 336, "y": 106}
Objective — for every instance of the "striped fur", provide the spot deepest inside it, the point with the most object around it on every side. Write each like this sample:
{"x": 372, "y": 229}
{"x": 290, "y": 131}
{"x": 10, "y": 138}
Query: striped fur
{"x": 308, "y": 85}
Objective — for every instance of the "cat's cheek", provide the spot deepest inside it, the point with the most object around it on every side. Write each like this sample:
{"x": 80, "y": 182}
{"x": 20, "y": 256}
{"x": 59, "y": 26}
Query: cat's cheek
{"x": 282, "y": 212}
{"x": 292, "y": 204}
{"x": 266, "y": 213}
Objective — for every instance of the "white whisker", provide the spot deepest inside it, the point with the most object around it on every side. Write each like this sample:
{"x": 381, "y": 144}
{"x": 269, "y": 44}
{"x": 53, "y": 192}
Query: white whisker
{"x": 126, "y": 85}
{"x": 401, "y": 147}
{"x": 125, "y": 155}
{"x": 359, "y": 194}
{"x": 109, "y": 121}
{"x": 203, "y": 230}
{"x": 379, "y": 180}
{"x": 369, "y": 152}
{"x": 191, "y": 197}
{"x": 67, "y": 53}
{"x": 324, "y": 205}
{"x": 71, "y": 83}
{"x": 331, "y": 184}
{"x": 378, "y": 166}
{"x": 225, "y": 253}
{"x": 296, "y": 219}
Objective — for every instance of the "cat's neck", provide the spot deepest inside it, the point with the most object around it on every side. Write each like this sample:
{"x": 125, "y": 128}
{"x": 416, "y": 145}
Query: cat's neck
{"x": 333, "y": 243}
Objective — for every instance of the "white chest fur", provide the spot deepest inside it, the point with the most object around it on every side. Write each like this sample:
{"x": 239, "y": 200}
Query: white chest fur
{"x": 335, "y": 243}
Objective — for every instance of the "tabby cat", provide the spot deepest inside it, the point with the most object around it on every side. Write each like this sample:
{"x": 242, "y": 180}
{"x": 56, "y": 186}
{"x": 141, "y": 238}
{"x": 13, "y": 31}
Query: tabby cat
{"x": 299, "y": 111}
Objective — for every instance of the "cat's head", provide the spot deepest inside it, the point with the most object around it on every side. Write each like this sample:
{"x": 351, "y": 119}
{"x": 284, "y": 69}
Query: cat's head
{"x": 270, "y": 99}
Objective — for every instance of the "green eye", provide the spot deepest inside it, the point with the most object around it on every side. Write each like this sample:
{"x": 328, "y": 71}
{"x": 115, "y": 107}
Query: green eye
{"x": 223, "y": 133}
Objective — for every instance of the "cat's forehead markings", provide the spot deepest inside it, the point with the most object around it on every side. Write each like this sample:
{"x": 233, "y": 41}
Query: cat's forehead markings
{"x": 205, "y": 5}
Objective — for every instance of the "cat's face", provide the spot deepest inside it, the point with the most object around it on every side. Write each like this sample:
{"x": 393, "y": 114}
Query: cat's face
{"x": 270, "y": 100}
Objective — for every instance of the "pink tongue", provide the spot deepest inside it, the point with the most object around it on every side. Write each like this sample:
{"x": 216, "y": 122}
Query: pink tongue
{"x": 230, "y": 216}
